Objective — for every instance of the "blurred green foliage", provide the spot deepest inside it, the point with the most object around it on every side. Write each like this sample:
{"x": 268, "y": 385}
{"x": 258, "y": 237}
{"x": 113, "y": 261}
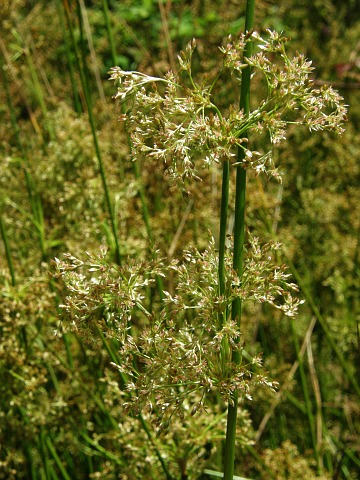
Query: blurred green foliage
{"x": 62, "y": 412}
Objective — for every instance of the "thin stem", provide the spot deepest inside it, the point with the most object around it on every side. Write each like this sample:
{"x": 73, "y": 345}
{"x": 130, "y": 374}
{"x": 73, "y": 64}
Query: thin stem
{"x": 86, "y": 90}
{"x": 14, "y": 125}
{"x": 223, "y": 224}
{"x": 346, "y": 367}
{"x": 90, "y": 42}
{"x": 165, "y": 25}
{"x": 305, "y": 389}
{"x": 35, "y": 200}
{"x": 56, "y": 458}
{"x": 37, "y": 213}
{"x": 109, "y": 31}
{"x": 36, "y": 83}
{"x": 7, "y": 251}
{"x": 168, "y": 476}
{"x": 9, "y": 65}
{"x": 239, "y": 237}
{"x": 76, "y": 98}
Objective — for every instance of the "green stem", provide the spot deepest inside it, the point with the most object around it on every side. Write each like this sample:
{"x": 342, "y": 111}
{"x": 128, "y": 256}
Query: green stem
{"x": 86, "y": 90}
{"x": 222, "y": 235}
{"x": 56, "y": 457}
{"x": 37, "y": 211}
{"x": 168, "y": 476}
{"x": 35, "y": 200}
{"x": 239, "y": 237}
{"x": 239, "y": 225}
{"x": 308, "y": 406}
{"x": 43, "y": 453}
{"x": 76, "y": 98}
{"x": 83, "y": 18}
{"x": 109, "y": 32}
{"x": 14, "y": 125}
{"x": 346, "y": 367}
{"x": 7, "y": 251}
{"x": 36, "y": 84}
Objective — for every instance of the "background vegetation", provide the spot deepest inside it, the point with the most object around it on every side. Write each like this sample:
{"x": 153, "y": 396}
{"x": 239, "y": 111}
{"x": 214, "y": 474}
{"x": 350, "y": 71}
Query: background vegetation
{"x": 68, "y": 185}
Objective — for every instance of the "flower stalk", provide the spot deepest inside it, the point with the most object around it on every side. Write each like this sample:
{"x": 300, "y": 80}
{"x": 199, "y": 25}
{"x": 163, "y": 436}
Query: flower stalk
{"x": 239, "y": 240}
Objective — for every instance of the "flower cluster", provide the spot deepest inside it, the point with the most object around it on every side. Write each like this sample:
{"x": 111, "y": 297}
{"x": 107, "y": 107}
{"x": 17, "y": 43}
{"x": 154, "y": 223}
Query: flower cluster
{"x": 262, "y": 281}
{"x": 175, "y": 120}
{"x": 177, "y": 130}
{"x": 177, "y": 358}
{"x": 290, "y": 91}
{"x": 102, "y": 295}
{"x": 181, "y": 355}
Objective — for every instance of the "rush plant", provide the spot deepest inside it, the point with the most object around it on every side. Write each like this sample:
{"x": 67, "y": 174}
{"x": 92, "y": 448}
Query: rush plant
{"x": 186, "y": 353}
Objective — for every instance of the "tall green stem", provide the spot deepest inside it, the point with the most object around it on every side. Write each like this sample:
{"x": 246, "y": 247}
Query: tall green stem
{"x": 239, "y": 237}
{"x": 304, "y": 384}
{"x": 222, "y": 234}
{"x": 7, "y": 251}
{"x": 84, "y": 82}
{"x": 76, "y": 97}
{"x": 14, "y": 125}
{"x": 346, "y": 366}
{"x": 109, "y": 31}
{"x": 37, "y": 88}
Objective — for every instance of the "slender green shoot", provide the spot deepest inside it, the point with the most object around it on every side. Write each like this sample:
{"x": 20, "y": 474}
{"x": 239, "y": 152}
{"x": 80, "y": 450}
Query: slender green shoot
{"x": 239, "y": 239}
{"x": 86, "y": 91}
{"x": 109, "y": 32}
{"x": 75, "y": 91}
{"x": 14, "y": 125}
{"x": 223, "y": 228}
{"x": 56, "y": 458}
{"x": 22, "y": 45}
{"x": 306, "y": 393}
{"x": 89, "y": 39}
{"x": 7, "y": 251}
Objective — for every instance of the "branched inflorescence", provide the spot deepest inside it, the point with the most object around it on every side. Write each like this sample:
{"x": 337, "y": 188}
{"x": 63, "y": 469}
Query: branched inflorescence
{"x": 177, "y": 360}
{"x": 102, "y": 295}
{"x": 178, "y": 123}
{"x": 174, "y": 356}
